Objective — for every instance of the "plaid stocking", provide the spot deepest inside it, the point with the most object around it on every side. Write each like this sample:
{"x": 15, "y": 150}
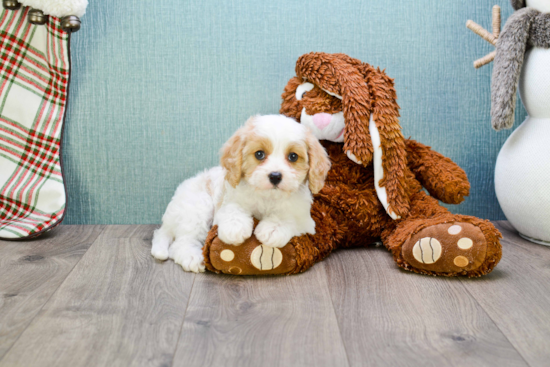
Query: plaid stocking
{"x": 34, "y": 81}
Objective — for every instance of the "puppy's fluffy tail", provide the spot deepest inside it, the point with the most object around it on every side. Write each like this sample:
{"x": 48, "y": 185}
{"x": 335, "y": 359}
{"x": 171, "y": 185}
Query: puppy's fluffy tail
{"x": 161, "y": 243}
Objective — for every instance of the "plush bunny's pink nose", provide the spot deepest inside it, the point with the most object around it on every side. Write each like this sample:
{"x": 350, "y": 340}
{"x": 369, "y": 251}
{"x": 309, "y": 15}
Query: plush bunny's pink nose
{"x": 321, "y": 120}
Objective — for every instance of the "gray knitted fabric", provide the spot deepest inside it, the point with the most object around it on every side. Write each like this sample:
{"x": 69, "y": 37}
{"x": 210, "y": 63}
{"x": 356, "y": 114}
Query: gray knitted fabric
{"x": 526, "y": 27}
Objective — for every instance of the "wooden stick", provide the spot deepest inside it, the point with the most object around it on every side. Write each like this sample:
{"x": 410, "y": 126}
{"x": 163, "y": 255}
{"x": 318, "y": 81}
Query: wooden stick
{"x": 485, "y": 60}
{"x": 496, "y": 21}
{"x": 480, "y": 31}
{"x": 491, "y": 38}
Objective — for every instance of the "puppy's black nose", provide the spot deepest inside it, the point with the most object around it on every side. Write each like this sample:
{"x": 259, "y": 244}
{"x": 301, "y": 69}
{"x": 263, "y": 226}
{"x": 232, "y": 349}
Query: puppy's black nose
{"x": 275, "y": 177}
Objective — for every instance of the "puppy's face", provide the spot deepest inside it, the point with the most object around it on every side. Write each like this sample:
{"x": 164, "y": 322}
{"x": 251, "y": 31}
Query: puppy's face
{"x": 275, "y": 153}
{"x": 315, "y": 108}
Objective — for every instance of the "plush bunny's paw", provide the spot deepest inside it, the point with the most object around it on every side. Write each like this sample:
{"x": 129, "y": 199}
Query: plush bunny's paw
{"x": 251, "y": 258}
{"x": 455, "y": 248}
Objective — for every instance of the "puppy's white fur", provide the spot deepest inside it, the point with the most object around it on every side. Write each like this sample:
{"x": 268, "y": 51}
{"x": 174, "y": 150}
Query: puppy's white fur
{"x": 232, "y": 195}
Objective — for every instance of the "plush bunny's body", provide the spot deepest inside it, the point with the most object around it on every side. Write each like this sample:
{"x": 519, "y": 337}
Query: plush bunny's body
{"x": 373, "y": 191}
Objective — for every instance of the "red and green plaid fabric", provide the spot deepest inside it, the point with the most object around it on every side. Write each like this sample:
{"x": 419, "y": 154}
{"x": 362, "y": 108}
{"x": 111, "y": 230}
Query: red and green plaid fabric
{"x": 34, "y": 80}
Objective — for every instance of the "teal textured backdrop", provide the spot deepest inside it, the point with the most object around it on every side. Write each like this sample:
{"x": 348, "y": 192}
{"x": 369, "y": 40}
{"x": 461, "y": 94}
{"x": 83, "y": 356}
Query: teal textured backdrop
{"x": 158, "y": 86}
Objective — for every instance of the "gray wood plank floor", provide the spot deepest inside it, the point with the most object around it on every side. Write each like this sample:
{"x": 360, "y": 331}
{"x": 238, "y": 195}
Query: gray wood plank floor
{"x": 31, "y": 271}
{"x": 93, "y": 296}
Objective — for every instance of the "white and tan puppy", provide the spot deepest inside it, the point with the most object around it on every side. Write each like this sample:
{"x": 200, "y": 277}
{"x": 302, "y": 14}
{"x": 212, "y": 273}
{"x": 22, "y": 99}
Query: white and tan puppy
{"x": 269, "y": 169}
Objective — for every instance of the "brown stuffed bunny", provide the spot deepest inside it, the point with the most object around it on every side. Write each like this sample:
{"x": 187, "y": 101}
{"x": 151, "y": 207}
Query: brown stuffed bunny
{"x": 374, "y": 189}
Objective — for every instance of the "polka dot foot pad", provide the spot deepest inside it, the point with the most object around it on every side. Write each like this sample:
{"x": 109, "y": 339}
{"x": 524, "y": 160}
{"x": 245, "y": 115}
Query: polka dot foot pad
{"x": 446, "y": 248}
{"x": 252, "y": 258}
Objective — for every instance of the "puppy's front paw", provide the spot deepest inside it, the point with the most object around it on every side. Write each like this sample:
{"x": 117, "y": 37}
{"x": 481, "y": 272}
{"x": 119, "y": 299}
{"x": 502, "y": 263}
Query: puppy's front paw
{"x": 159, "y": 253}
{"x": 272, "y": 234}
{"x": 189, "y": 257}
{"x": 235, "y": 232}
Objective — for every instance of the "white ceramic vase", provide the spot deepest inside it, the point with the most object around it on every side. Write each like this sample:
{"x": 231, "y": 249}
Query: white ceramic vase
{"x": 522, "y": 172}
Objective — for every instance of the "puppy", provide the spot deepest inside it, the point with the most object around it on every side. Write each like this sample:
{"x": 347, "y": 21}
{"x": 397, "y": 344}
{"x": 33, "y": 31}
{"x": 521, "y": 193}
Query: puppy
{"x": 269, "y": 169}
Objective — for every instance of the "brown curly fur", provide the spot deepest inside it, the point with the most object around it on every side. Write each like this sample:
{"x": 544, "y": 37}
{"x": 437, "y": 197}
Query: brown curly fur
{"x": 365, "y": 91}
{"x": 347, "y": 211}
{"x": 439, "y": 175}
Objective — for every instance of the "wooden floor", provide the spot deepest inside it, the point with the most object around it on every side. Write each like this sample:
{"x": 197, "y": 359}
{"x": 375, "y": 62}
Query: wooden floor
{"x": 93, "y": 296}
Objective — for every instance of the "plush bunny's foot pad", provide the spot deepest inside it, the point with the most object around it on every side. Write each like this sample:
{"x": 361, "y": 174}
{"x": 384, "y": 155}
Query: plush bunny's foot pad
{"x": 455, "y": 248}
{"x": 250, "y": 258}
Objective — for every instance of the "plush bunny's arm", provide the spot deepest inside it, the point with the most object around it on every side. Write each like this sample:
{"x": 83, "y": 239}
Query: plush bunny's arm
{"x": 442, "y": 177}
{"x": 511, "y": 48}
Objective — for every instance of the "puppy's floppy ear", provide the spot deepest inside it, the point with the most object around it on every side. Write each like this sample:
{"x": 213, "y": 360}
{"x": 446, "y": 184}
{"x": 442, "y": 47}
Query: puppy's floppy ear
{"x": 319, "y": 163}
{"x": 232, "y": 153}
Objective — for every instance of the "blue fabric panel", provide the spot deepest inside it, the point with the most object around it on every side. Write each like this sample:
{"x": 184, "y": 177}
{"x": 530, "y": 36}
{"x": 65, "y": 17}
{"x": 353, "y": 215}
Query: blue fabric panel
{"x": 158, "y": 86}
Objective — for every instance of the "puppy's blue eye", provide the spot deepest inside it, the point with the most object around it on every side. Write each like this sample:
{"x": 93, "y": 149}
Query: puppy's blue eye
{"x": 293, "y": 157}
{"x": 260, "y": 155}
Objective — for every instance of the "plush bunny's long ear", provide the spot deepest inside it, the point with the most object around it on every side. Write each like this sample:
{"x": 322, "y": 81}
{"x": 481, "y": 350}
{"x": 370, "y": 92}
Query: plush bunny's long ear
{"x": 390, "y": 153}
{"x": 372, "y": 120}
